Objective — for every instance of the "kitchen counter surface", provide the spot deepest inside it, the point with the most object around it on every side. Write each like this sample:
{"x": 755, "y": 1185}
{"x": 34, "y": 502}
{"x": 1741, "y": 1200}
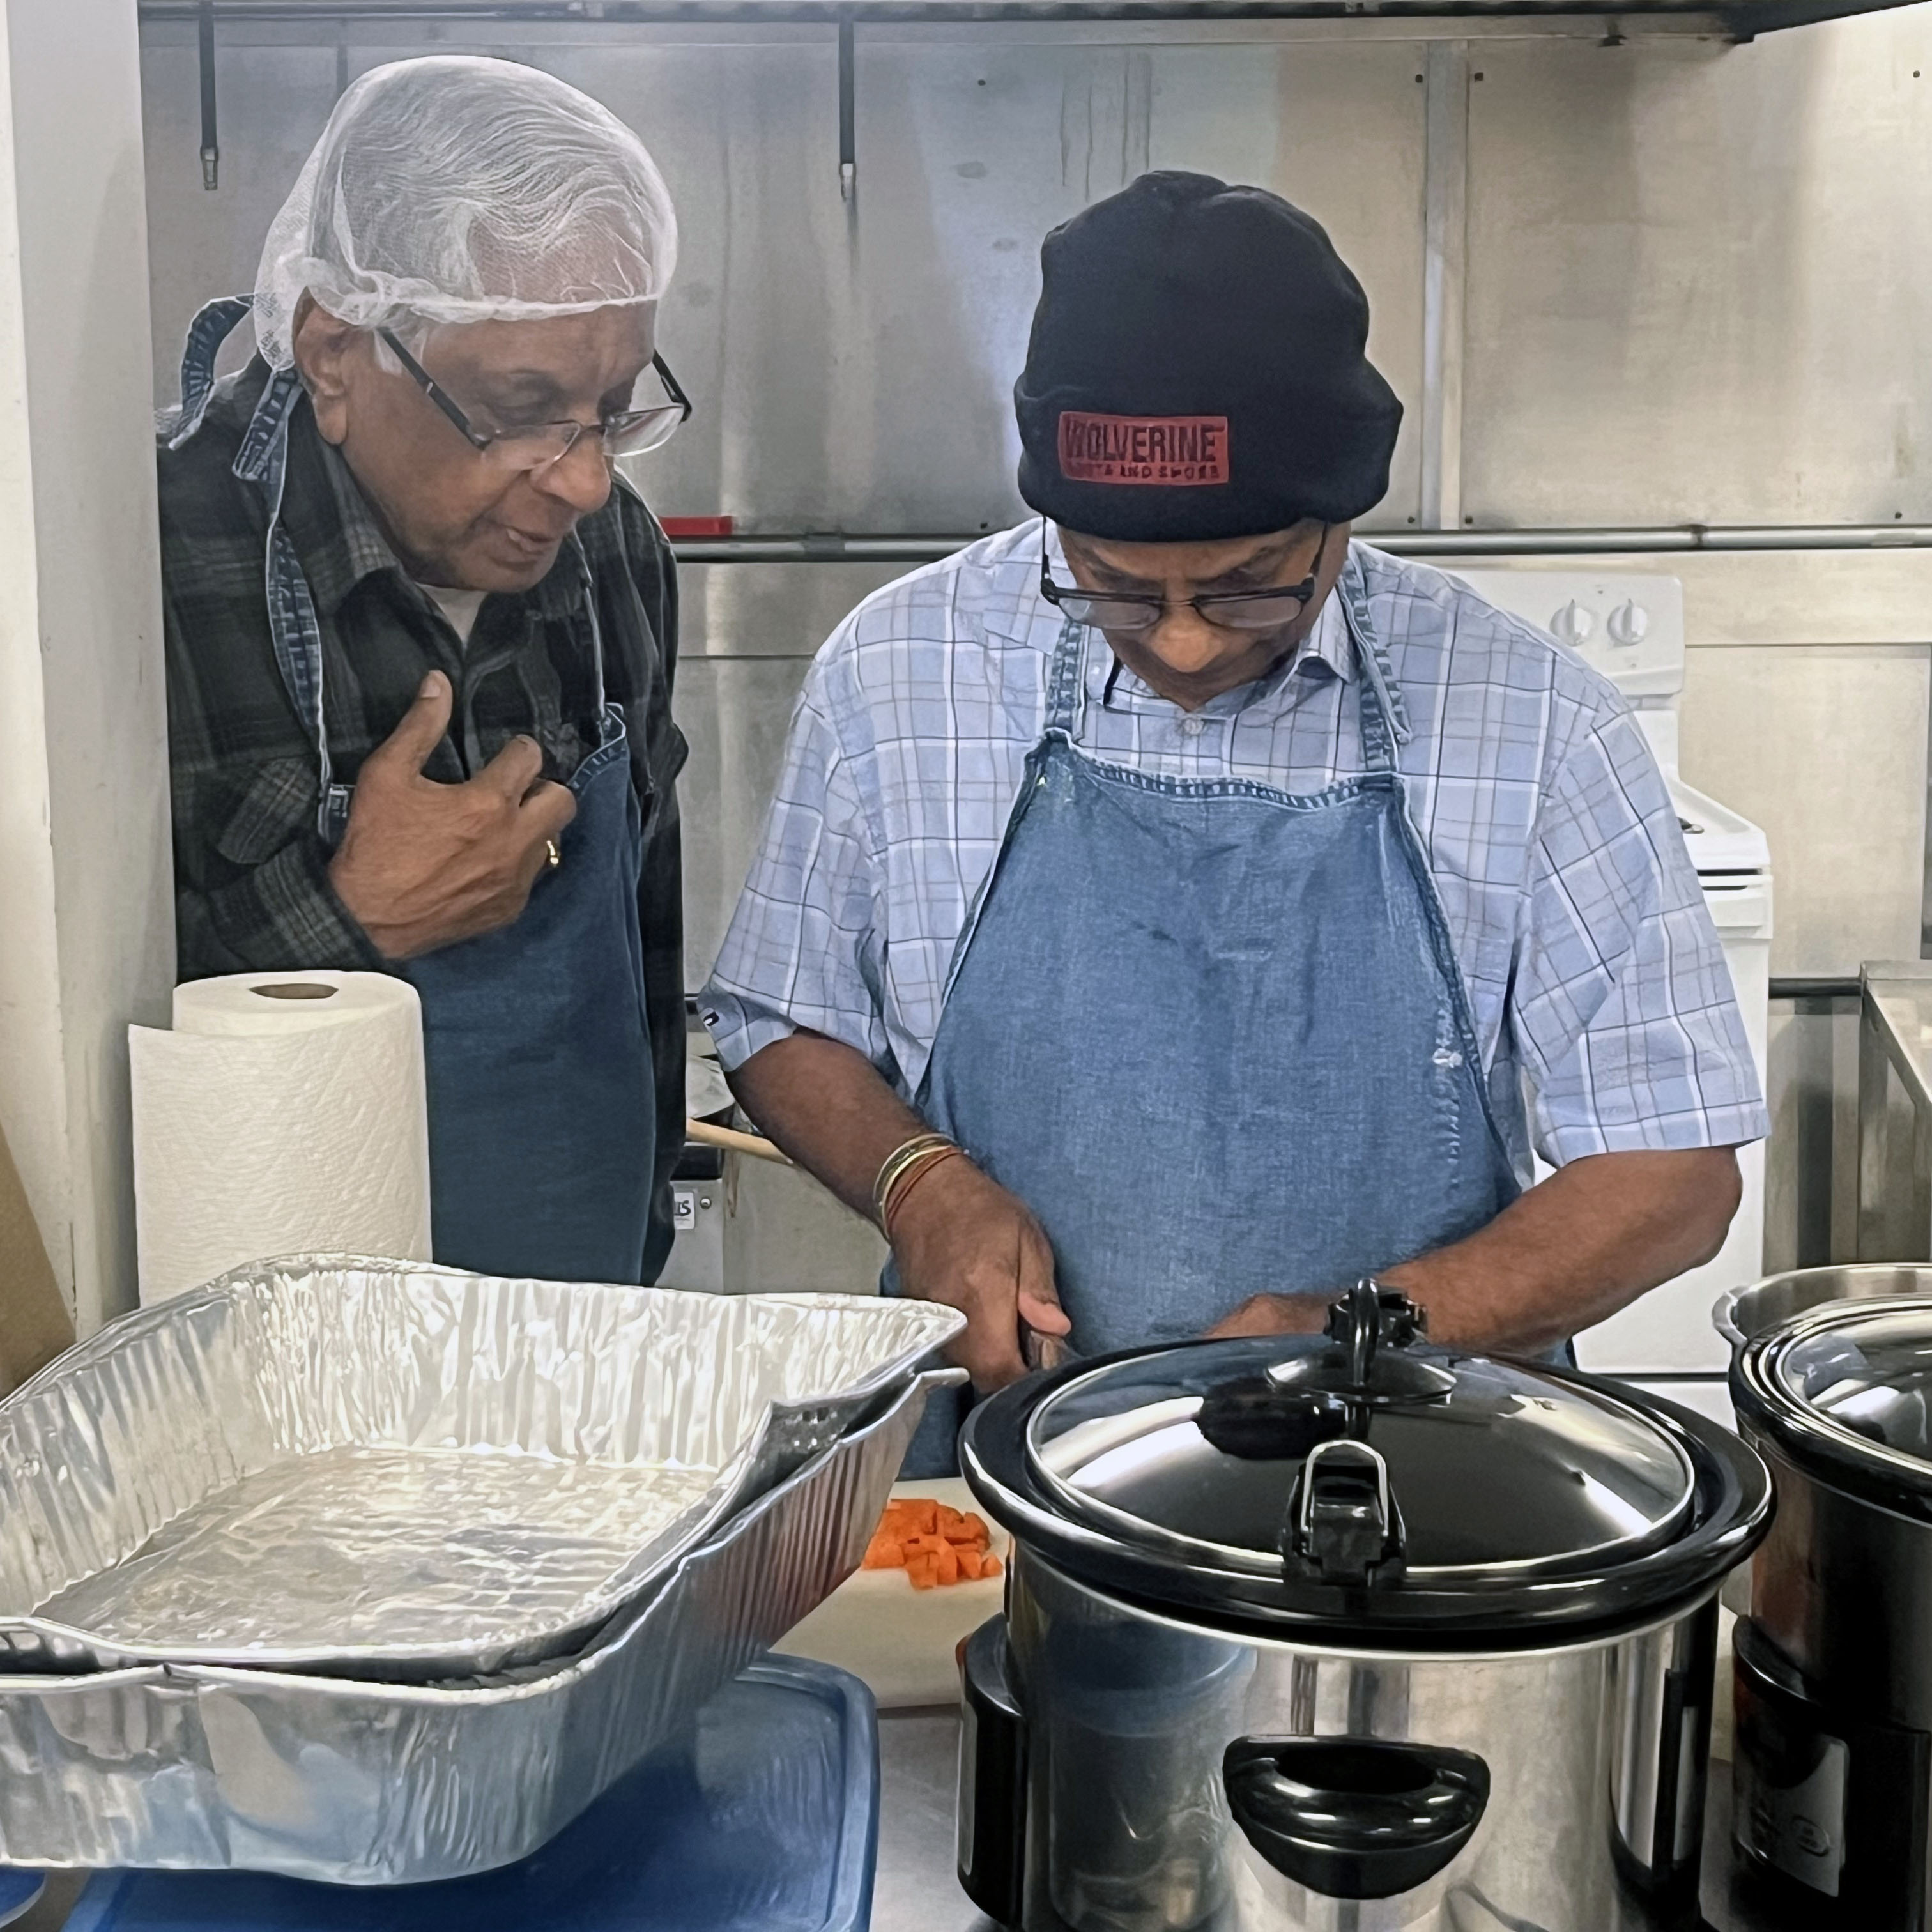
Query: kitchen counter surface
{"x": 916, "y": 1890}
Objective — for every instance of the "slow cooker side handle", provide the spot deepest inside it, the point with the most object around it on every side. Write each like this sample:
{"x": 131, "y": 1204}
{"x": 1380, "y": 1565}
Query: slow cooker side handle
{"x": 1354, "y": 1817}
{"x": 992, "y": 1778}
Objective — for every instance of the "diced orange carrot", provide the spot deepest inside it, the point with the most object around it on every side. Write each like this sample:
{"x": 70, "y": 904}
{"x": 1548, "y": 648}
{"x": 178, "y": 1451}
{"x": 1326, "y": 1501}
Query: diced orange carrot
{"x": 935, "y": 1544}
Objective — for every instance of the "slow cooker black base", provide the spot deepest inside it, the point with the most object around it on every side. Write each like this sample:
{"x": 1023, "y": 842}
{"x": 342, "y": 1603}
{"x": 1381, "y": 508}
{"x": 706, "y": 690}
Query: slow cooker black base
{"x": 1831, "y": 1812}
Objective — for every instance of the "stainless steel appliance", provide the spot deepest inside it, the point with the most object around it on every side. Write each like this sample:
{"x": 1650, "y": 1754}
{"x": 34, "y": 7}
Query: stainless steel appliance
{"x": 1895, "y": 1111}
{"x": 1834, "y": 1751}
{"x": 1347, "y": 1631}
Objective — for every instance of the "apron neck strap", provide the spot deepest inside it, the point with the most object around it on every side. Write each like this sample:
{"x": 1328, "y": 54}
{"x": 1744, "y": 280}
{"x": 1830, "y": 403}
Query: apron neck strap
{"x": 1383, "y": 718}
{"x": 212, "y": 326}
{"x": 1064, "y": 694}
{"x": 589, "y": 583}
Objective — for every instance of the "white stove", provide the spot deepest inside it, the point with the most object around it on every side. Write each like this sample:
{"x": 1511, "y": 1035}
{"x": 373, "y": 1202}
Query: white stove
{"x": 1630, "y": 627}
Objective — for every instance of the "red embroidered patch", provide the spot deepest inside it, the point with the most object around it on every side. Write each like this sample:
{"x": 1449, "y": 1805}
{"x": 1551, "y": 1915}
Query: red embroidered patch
{"x": 1174, "y": 452}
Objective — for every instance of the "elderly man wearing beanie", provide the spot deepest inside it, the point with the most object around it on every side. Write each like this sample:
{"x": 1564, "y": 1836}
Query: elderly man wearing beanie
{"x": 1172, "y": 910}
{"x": 420, "y": 641}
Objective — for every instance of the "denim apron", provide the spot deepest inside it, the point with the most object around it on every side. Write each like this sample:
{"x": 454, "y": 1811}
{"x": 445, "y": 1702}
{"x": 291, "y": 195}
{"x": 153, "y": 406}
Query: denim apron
{"x": 542, "y": 1105}
{"x": 1213, "y": 1034}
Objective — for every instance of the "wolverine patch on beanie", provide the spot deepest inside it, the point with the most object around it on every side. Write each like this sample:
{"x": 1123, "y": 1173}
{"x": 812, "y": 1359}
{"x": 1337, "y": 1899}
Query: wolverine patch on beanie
{"x": 1199, "y": 369}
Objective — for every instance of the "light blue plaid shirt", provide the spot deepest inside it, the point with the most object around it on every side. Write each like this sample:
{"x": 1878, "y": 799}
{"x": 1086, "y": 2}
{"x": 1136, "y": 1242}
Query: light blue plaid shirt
{"x": 1594, "y": 972}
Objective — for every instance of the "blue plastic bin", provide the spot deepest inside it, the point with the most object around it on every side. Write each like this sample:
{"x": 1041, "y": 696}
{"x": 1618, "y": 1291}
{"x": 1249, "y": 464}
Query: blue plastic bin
{"x": 20, "y": 1893}
{"x": 770, "y": 1824}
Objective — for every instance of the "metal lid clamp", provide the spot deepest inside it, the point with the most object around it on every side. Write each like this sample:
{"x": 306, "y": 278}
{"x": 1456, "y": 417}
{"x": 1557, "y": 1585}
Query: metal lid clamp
{"x": 1343, "y": 1525}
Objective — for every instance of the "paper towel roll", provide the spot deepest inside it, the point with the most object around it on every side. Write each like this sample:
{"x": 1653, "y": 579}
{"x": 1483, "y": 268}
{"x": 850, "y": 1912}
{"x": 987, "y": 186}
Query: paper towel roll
{"x": 284, "y": 1114}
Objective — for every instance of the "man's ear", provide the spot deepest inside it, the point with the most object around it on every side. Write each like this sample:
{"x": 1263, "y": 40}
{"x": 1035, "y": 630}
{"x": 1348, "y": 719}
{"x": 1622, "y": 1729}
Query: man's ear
{"x": 324, "y": 346}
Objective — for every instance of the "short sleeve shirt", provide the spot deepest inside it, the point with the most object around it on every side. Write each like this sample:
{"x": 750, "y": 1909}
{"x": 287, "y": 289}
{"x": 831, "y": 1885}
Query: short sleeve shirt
{"x": 1603, "y": 1005}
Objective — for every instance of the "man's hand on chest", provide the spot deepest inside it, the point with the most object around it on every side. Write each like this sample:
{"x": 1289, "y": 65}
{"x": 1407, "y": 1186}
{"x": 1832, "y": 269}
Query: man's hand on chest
{"x": 424, "y": 865}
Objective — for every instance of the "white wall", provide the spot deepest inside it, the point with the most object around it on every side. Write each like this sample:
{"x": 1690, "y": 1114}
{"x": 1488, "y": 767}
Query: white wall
{"x": 86, "y": 924}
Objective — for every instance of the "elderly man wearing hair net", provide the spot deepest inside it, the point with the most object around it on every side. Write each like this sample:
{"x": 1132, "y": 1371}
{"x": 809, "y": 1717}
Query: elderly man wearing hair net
{"x": 420, "y": 640}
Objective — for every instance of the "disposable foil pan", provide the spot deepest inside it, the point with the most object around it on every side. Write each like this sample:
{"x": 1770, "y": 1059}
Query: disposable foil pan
{"x": 401, "y": 1472}
{"x": 197, "y": 1768}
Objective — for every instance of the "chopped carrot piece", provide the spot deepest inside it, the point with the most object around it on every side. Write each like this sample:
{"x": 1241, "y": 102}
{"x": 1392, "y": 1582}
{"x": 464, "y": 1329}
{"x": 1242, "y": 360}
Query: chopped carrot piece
{"x": 935, "y": 1544}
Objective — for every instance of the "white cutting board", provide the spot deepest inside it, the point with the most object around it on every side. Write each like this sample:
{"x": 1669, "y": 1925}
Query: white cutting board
{"x": 901, "y": 1641}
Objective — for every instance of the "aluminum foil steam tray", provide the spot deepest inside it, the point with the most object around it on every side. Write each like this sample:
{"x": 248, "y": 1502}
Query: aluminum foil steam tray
{"x": 197, "y": 1768}
{"x": 404, "y": 1473}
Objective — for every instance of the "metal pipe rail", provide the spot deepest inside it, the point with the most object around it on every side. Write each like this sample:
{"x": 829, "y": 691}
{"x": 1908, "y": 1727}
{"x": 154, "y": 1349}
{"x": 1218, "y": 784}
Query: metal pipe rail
{"x": 1738, "y": 19}
{"x": 837, "y": 547}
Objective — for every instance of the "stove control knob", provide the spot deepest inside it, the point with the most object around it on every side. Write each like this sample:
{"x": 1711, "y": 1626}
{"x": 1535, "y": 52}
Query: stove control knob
{"x": 1629, "y": 624}
{"x": 1572, "y": 624}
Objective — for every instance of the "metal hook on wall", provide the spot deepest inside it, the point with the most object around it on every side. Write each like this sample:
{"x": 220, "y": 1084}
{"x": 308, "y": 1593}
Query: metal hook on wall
{"x": 211, "y": 146}
{"x": 848, "y": 149}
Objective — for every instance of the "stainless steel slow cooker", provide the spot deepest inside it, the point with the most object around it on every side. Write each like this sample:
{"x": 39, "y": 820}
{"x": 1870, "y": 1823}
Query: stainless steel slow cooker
{"x": 1832, "y": 1382}
{"x": 1347, "y": 1631}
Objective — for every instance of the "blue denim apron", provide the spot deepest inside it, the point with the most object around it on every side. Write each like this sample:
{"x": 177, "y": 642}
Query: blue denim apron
{"x": 542, "y": 1104}
{"x": 1213, "y": 1034}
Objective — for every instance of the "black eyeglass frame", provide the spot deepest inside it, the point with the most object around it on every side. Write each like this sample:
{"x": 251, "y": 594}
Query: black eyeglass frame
{"x": 1061, "y": 596}
{"x": 482, "y": 441}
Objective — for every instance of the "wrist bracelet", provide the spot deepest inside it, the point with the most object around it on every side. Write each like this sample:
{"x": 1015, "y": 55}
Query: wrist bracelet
{"x": 898, "y": 1164}
{"x": 938, "y": 1157}
{"x": 903, "y": 1162}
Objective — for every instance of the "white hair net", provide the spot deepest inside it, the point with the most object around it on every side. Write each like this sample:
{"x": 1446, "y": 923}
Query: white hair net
{"x": 455, "y": 189}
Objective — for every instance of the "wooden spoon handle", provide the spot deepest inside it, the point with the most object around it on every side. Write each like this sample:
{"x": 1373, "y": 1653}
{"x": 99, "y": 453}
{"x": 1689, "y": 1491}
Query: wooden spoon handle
{"x": 756, "y": 1145}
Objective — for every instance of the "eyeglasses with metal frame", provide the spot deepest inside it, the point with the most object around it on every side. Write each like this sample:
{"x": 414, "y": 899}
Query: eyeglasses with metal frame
{"x": 537, "y": 445}
{"x": 1231, "y": 610}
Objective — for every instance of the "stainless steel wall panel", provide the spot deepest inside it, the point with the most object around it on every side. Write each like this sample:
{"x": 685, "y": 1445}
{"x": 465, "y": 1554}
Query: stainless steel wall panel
{"x": 273, "y": 103}
{"x": 734, "y": 713}
{"x": 853, "y": 363}
{"x": 750, "y": 632}
{"x": 969, "y": 152}
{"x": 770, "y": 610}
{"x": 760, "y": 322}
{"x": 1825, "y": 748}
{"x": 1698, "y": 278}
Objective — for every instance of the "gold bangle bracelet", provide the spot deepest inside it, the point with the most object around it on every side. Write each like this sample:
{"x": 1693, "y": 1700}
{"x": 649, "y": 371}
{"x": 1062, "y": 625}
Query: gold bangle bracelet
{"x": 895, "y": 1164}
{"x": 901, "y": 1183}
{"x": 901, "y": 1194}
{"x": 902, "y": 1162}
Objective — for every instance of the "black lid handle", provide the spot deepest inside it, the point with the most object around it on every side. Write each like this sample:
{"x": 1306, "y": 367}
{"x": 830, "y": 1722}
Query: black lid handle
{"x": 1354, "y": 1817}
{"x": 1343, "y": 1525}
{"x": 1370, "y": 1316}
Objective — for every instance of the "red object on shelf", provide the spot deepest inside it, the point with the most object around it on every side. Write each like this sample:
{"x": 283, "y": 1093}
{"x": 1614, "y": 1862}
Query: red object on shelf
{"x": 697, "y": 526}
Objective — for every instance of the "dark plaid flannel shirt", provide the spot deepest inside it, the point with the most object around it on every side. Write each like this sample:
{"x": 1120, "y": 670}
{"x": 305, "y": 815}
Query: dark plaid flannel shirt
{"x": 251, "y": 882}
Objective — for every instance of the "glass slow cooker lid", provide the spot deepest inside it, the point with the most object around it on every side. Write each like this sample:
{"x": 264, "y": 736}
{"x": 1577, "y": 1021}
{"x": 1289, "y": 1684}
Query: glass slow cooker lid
{"x": 1360, "y": 1461}
{"x": 1850, "y": 1382}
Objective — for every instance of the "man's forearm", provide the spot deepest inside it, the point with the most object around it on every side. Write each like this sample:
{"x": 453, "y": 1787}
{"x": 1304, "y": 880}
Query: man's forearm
{"x": 828, "y": 1108}
{"x": 1575, "y": 1249}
